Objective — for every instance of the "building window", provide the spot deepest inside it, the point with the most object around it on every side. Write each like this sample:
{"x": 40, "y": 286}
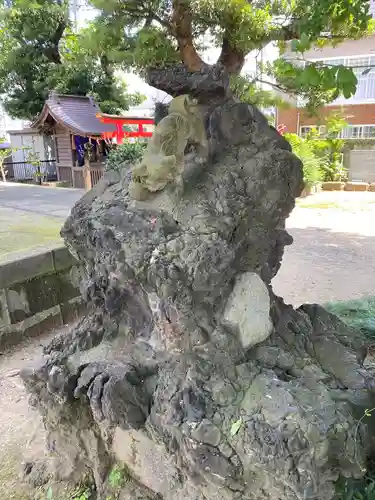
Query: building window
{"x": 349, "y": 132}
{"x": 358, "y": 132}
{"x": 366, "y": 82}
{"x": 306, "y": 129}
{"x": 368, "y": 132}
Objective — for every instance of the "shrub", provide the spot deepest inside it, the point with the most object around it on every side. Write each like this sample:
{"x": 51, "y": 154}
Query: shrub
{"x": 321, "y": 151}
{"x": 305, "y": 150}
{"x": 359, "y": 314}
{"x": 329, "y": 152}
{"x": 356, "y": 490}
{"x": 128, "y": 152}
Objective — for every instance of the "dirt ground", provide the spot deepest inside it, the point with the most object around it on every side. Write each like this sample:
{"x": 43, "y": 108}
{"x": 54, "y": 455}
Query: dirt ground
{"x": 333, "y": 254}
{"x": 332, "y": 258}
{"x": 21, "y": 428}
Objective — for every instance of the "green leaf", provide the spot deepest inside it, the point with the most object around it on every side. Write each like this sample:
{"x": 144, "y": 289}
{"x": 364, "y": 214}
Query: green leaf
{"x": 40, "y": 52}
{"x": 347, "y": 81}
{"x": 348, "y": 90}
{"x": 329, "y": 78}
{"x": 304, "y": 43}
{"x": 346, "y": 75}
{"x": 294, "y": 45}
{"x": 49, "y": 494}
{"x": 312, "y": 76}
{"x": 236, "y": 426}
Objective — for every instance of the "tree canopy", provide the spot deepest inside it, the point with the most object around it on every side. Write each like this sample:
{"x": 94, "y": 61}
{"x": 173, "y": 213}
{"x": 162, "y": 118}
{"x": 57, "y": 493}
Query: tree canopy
{"x": 151, "y": 33}
{"x": 39, "y": 52}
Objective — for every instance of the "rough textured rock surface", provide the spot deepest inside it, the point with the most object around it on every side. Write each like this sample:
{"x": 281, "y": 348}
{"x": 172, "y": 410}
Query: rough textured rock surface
{"x": 211, "y": 81}
{"x": 189, "y": 370}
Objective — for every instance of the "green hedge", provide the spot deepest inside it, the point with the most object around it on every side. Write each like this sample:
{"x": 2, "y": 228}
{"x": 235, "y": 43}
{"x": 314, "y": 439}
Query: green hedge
{"x": 126, "y": 153}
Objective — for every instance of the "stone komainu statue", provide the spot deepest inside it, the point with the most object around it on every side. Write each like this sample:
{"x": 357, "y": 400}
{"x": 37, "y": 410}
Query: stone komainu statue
{"x": 163, "y": 161}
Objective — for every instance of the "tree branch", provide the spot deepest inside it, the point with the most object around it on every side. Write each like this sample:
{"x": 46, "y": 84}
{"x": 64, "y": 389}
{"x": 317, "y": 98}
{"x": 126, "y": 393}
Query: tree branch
{"x": 231, "y": 58}
{"x": 52, "y": 52}
{"x": 284, "y": 90}
{"x": 145, "y": 12}
{"x": 182, "y": 30}
{"x": 162, "y": 22}
{"x": 106, "y": 66}
{"x": 287, "y": 33}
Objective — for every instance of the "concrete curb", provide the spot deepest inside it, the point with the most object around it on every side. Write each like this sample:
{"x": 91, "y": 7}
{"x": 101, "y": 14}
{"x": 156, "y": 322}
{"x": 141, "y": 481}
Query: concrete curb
{"x": 38, "y": 293}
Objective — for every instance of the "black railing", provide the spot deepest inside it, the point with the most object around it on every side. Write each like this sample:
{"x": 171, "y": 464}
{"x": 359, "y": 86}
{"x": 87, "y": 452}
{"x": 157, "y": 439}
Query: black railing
{"x": 23, "y": 171}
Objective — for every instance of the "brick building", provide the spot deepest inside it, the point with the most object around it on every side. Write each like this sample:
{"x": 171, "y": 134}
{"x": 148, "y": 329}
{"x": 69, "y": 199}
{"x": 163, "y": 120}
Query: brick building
{"x": 359, "y": 110}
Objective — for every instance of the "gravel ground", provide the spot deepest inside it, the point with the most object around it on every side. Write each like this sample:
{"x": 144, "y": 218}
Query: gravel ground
{"x": 332, "y": 258}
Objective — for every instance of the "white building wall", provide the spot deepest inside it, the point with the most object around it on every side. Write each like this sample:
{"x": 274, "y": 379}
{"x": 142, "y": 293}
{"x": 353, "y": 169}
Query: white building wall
{"x": 8, "y": 123}
{"x": 24, "y": 143}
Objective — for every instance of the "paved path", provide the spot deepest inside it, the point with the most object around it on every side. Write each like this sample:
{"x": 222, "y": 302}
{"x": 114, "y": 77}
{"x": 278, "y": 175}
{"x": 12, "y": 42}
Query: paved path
{"x": 38, "y": 200}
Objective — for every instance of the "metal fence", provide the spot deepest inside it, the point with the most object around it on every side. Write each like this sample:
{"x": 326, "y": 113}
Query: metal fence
{"x": 26, "y": 172}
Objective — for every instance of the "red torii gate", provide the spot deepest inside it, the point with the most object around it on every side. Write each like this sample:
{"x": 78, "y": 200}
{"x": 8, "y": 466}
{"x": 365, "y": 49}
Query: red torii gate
{"x": 120, "y": 121}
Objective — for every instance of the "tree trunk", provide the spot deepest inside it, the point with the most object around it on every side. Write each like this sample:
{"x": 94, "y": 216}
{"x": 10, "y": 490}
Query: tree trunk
{"x": 182, "y": 29}
{"x": 3, "y": 173}
{"x": 194, "y": 76}
{"x": 231, "y": 58}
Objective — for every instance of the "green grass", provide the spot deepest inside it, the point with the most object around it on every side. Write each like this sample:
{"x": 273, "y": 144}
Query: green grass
{"x": 356, "y": 490}
{"x": 24, "y": 232}
{"x": 10, "y": 486}
{"x": 357, "y": 313}
{"x": 321, "y": 205}
{"x": 347, "y": 205}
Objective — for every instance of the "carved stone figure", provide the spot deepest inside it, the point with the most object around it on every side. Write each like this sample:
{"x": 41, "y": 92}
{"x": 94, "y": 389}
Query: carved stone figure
{"x": 163, "y": 161}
